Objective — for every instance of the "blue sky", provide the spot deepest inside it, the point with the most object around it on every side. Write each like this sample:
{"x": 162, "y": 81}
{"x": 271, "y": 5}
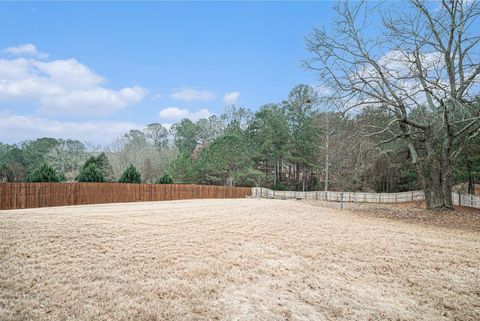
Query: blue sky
{"x": 92, "y": 70}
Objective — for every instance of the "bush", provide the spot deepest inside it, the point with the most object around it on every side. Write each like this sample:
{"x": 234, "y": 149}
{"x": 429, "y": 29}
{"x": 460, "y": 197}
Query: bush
{"x": 90, "y": 173}
{"x": 165, "y": 179}
{"x": 130, "y": 175}
{"x": 44, "y": 173}
{"x": 62, "y": 177}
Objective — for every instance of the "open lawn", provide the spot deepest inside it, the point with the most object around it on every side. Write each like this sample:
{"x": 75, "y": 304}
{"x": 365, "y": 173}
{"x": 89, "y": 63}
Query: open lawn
{"x": 242, "y": 259}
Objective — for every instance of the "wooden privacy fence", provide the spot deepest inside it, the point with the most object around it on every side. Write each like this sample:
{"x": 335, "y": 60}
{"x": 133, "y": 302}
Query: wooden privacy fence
{"x": 28, "y": 195}
{"x": 458, "y": 199}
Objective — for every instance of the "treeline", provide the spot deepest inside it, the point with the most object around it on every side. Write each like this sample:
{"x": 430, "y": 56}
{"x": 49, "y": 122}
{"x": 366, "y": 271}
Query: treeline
{"x": 296, "y": 144}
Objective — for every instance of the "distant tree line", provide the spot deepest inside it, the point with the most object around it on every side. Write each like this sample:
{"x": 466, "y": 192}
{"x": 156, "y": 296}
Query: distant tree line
{"x": 296, "y": 144}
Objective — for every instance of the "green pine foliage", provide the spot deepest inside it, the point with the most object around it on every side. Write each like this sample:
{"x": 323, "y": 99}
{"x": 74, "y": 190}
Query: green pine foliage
{"x": 227, "y": 160}
{"x": 90, "y": 173}
{"x": 105, "y": 167}
{"x": 165, "y": 179}
{"x": 44, "y": 173}
{"x": 131, "y": 175}
{"x": 182, "y": 169}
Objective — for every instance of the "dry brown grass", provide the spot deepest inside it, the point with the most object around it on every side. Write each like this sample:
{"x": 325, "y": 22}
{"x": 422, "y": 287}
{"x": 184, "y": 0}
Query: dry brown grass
{"x": 232, "y": 260}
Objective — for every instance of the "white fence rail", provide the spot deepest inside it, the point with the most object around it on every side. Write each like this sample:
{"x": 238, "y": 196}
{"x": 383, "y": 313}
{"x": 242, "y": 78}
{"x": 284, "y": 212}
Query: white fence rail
{"x": 458, "y": 199}
{"x": 467, "y": 200}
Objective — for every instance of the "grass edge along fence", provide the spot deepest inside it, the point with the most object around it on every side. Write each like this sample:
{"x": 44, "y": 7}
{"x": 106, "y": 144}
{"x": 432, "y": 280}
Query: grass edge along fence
{"x": 467, "y": 200}
{"x": 32, "y": 195}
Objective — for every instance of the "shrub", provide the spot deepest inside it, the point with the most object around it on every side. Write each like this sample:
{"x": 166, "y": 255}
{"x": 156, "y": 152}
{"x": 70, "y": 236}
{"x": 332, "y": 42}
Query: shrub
{"x": 165, "y": 179}
{"x": 90, "y": 173}
{"x": 44, "y": 173}
{"x": 62, "y": 177}
{"x": 130, "y": 175}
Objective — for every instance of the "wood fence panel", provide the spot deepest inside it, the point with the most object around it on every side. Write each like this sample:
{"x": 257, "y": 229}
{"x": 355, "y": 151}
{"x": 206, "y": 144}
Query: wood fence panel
{"x": 31, "y": 195}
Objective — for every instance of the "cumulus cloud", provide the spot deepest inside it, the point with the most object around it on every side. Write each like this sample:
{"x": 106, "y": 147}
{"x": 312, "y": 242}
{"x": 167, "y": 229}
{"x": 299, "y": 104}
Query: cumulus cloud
{"x": 190, "y": 94}
{"x": 176, "y": 113}
{"x": 202, "y": 113}
{"x": 173, "y": 113}
{"x": 26, "y": 50}
{"x": 62, "y": 87}
{"x": 15, "y": 128}
{"x": 88, "y": 101}
{"x": 231, "y": 98}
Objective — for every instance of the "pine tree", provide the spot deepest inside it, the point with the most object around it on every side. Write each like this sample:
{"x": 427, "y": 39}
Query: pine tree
{"x": 90, "y": 173}
{"x": 44, "y": 173}
{"x": 105, "y": 167}
{"x": 130, "y": 175}
{"x": 165, "y": 179}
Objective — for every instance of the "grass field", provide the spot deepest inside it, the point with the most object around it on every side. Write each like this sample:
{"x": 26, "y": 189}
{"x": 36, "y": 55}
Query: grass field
{"x": 242, "y": 259}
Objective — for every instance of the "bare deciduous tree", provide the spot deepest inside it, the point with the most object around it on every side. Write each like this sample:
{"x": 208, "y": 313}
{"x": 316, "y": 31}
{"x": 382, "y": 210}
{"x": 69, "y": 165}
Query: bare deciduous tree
{"x": 423, "y": 69}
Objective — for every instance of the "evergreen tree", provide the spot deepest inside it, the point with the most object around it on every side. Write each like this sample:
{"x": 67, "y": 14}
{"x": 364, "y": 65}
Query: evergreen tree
{"x": 90, "y": 173}
{"x": 227, "y": 160}
{"x": 44, "y": 173}
{"x": 183, "y": 169}
{"x": 105, "y": 167}
{"x": 130, "y": 175}
{"x": 165, "y": 179}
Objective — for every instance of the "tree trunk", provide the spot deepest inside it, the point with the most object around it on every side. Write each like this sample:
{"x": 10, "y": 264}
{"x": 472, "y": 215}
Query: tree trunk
{"x": 438, "y": 182}
{"x": 471, "y": 185}
{"x": 438, "y": 193}
{"x": 275, "y": 174}
{"x": 447, "y": 180}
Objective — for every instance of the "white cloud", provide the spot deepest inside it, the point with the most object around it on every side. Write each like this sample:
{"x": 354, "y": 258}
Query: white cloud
{"x": 88, "y": 101}
{"x": 173, "y": 113}
{"x": 190, "y": 94}
{"x": 202, "y": 113}
{"x": 62, "y": 87}
{"x": 176, "y": 113}
{"x": 231, "y": 98}
{"x": 28, "y": 49}
{"x": 15, "y": 128}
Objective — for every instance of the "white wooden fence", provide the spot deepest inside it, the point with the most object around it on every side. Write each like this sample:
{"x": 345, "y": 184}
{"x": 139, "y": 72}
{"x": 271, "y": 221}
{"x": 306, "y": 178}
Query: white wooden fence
{"x": 261, "y": 192}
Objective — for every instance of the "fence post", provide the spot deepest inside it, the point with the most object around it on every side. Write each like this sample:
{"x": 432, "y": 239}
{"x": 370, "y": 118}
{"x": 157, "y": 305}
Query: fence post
{"x": 459, "y": 199}
{"x": 341, "y": 201}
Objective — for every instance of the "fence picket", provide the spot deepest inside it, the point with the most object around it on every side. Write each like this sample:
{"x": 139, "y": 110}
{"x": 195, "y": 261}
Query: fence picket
{"x": 30, "y": 195}
{"x": 468, "y": 200}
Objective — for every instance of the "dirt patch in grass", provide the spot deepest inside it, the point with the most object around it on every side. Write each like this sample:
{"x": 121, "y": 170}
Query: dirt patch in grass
{"x": 462, "y": 218}
{"x": 232, "y": 260}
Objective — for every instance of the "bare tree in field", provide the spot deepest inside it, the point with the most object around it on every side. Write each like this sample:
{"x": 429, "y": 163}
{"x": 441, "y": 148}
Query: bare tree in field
{"x": 422, "y": 67}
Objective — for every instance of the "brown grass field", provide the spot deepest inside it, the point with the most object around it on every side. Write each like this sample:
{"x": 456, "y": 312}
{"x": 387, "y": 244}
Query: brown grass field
{"x": 242, "y": 259}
